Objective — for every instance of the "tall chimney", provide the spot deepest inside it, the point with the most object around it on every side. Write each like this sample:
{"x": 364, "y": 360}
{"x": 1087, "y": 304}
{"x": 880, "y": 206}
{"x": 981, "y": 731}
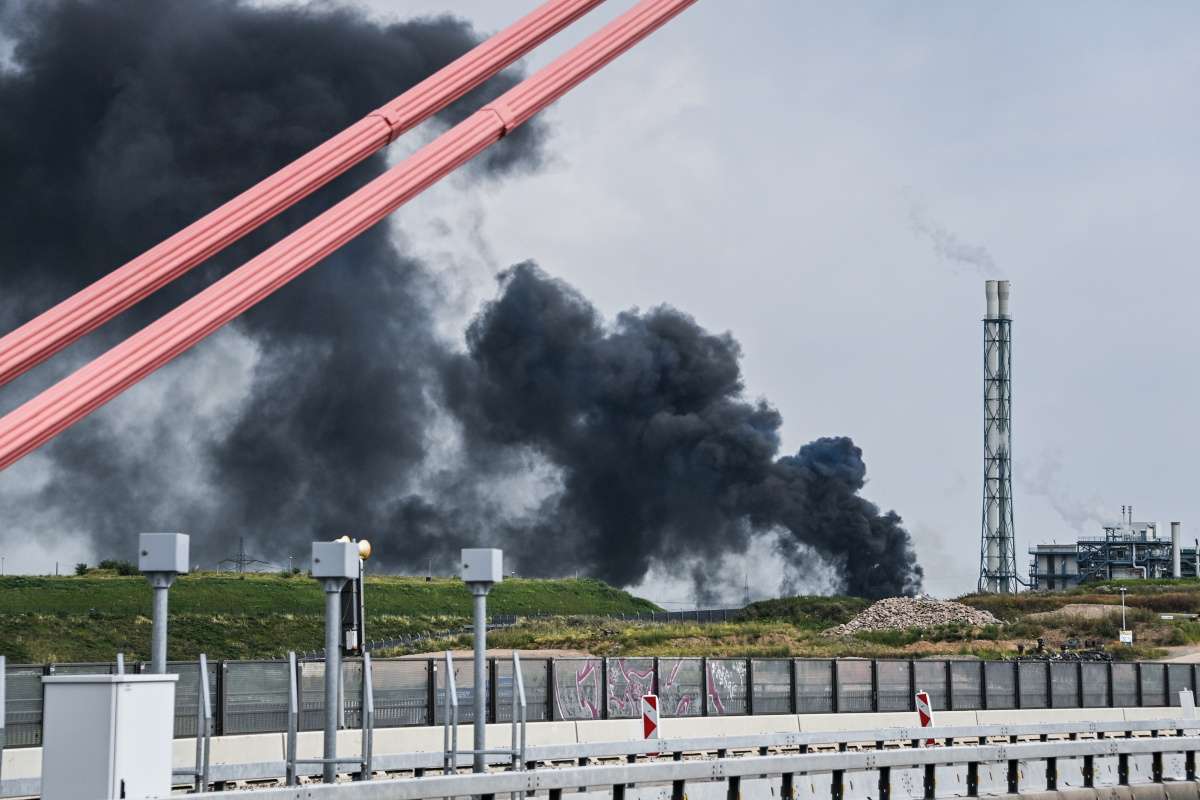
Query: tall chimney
{"x": 997, "y": 551}
{"x": 1176, "y": 570}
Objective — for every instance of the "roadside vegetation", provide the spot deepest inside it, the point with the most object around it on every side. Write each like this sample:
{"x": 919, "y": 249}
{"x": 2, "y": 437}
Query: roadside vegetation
{"x": 92, "y": 616}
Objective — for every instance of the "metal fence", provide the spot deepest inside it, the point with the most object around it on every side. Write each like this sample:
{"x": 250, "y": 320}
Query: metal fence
{"x": 251, "y": 696}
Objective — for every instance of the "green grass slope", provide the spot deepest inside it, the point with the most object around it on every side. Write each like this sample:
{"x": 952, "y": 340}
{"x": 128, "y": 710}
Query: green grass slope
{"x": 91, "y": 617}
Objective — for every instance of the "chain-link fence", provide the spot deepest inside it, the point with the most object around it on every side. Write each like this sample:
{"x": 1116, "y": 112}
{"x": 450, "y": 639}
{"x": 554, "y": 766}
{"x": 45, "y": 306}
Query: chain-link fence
{"x": 251, "y": 696}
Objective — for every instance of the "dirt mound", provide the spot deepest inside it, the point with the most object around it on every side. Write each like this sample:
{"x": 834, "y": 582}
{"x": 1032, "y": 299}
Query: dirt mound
{"x": 1079, "y": 611}
{"x": 898, "y": 613}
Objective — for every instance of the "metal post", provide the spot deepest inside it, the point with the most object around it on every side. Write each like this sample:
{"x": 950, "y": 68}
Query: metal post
{"x": 451, "y": 715}
{"x": 793, "y": 698}
{"x": 833, "y": 686}
{"x": 518, "y": 710}
{"x": 480, "y": 592}
{"x": 449, "y": 756}
{"x": 603, "y": 688}
{"x": 333, "y": 670}
{"x": 874, "y": 685}
{"x": 161, "y": 556}
{"x": 493, "y": 695}
{"x": 203, "y": 725}
{"x": 3, "y": 712}
{"x": 161, "y": 582}
{"x": 293, "y": 721}
{"x": 368, "y": 719}
{"x": 750, "y": 686}
{"x": 431, "y": 690}
{"x": 523, "y": 708}
{"x": 512, "y": 739}
{"x": 219, "y": 716}
{"x": 120, "y": 663}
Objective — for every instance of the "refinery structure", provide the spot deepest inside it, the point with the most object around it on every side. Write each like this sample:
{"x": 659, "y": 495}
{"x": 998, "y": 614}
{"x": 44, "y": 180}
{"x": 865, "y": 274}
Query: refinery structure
{"x": 997, "y": 550}
{"x": 1128, "y": 549}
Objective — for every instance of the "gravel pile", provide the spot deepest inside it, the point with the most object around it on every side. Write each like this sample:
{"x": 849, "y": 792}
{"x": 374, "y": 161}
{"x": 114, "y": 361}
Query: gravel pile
{"x": 897, "y": 613}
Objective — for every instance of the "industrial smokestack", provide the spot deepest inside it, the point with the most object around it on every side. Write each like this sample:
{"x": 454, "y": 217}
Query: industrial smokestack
{"x": 1176, "y": 569}
{"x": 1002, "y": 290}
{"x": 997, "y": 552}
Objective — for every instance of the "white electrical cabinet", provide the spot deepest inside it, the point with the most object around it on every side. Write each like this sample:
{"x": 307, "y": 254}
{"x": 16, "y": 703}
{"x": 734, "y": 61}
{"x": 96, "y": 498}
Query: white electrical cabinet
{"x": 482, "y": 565}
{"x": 106, "y": 737}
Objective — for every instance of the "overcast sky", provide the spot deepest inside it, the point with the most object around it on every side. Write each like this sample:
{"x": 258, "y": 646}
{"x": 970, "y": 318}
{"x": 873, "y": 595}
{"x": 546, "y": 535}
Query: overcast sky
{"x": 832, "y": 183}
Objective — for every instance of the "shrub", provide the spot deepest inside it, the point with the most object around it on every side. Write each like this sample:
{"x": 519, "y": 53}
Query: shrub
{"x": 119, "y": 567}
{"x": 81, "y": 568}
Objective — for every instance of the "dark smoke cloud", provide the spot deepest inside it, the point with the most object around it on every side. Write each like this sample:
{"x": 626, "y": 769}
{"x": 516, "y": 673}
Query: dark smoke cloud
{"x": 334, "y": 406}
{"x": 122, "y": 121}
{"x": 661, "y": 456}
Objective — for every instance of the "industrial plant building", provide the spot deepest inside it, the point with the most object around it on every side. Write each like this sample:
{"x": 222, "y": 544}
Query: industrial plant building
{"x": 1127, "y": 549}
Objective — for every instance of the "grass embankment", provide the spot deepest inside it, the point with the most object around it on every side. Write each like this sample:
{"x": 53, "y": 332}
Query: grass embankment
{"x": 1092, "y": 612}
{"x": 791, "y": 626}
{"x": 255, "y": 616}
{"x": 794, "y": 627}
{"x": 94, "y": 616}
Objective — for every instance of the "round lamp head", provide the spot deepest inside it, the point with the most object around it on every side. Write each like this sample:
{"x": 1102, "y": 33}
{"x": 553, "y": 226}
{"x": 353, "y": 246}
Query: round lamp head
{"x": 364, "y": 549}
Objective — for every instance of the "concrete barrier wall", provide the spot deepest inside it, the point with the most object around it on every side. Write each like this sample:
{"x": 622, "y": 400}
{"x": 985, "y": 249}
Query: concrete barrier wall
{"x": 25, "y": 763}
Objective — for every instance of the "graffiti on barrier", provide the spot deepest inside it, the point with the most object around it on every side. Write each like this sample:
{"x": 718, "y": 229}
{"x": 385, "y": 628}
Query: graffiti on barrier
{"x": 628, "y": 680}
{"x": 682, "y": 685}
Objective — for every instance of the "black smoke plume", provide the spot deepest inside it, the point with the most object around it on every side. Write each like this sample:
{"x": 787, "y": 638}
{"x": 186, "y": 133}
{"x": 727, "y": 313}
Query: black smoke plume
{"x": 334, "y": 406}
{"x": 662, "y": 459}
{"x": 121, "y": 121}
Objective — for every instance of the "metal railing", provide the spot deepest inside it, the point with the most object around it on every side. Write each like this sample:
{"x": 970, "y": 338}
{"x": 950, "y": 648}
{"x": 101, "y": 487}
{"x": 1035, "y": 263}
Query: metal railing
{"x": 204, "y": 727}
{"x": 364, "y": 761}
{"x": 998, "y": 752}
{"x": 451, "y": 753}
{"x": 679, "y": 748}
{"x": 254, "y": 696}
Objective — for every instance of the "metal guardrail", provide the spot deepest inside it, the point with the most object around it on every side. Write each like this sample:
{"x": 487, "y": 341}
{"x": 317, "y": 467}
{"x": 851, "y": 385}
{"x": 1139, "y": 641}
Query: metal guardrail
{"x": 204, "y": 728}
{"x": 364, "y": 761}
{"x": 731, "y": 770}
{"x": 430, "y": 762}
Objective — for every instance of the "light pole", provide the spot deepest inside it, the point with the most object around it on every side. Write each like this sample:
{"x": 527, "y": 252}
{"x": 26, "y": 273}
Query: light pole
{"x": 1123, "y": 628}
{"x": 161, "y": 556}
{"x": 481, "y": 569}
{"x": 333, "y": 563}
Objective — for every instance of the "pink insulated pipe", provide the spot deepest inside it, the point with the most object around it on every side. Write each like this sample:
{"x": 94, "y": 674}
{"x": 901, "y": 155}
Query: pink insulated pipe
{"x": 62, "y": 405}
{"x": 45, "y": 335}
